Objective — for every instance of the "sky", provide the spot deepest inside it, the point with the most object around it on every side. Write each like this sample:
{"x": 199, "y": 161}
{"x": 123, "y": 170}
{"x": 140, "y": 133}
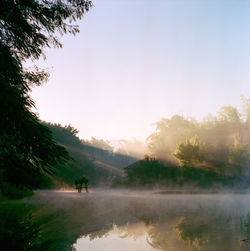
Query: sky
{"x": 137, "y": 61}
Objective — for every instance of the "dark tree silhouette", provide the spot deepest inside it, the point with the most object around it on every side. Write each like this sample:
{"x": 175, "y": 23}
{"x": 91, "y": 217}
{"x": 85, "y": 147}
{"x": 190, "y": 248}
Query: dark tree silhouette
{"x": 26, "y": 28}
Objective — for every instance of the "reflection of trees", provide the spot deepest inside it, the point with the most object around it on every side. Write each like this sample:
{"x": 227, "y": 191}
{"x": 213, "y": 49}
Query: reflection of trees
{"x": 18, "y": 229}
{"x": 193, "y": 230}
{"x": 98, "y": 234}
{"x": 245, "y": 227}
{"x": 166, "y": 227}
{"x": 161, "y": 236}
{"x": 196, "y": 232}
{"x": 171, "y": 225}
{"x": 134, "y": 230}
{"x": 189, "y": 232}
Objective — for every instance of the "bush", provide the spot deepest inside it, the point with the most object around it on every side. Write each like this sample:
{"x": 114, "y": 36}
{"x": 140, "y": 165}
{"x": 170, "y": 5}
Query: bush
{"x": 11, "y": 191}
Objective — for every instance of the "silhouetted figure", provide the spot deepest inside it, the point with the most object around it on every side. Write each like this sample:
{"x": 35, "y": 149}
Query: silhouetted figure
{"x": 85, "y": 182}
{"x": 79, "y": 184}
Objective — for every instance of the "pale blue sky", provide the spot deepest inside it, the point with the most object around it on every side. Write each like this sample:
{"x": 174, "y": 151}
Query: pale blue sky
{"x": 136, "y": 61}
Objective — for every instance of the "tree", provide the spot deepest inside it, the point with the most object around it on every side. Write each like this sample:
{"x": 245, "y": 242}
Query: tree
{"x": 193, "y": 230}
{"x": 26, "y": 28}
{"x": 246, "y": 108}
{"x": 189, "y": 153}
{"x": 168, "y": 133}
{"x": 101, "y": 144}
{"x": 238, "y": 159}
{"x": 229, "y": 114}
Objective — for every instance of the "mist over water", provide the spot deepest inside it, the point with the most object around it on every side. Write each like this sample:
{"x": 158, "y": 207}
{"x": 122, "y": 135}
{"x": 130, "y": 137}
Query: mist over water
{"x": 137, "y": 220}
{"x": 158, "y": 93}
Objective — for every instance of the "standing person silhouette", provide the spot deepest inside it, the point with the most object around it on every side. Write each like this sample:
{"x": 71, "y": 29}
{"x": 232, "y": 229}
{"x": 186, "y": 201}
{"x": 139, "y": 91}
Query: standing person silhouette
{"x": 85, "y": 181}
{"x": 79, "y": 184}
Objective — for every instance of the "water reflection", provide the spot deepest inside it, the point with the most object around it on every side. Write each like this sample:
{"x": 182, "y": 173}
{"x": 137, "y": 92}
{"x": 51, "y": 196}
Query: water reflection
{"x": 129, "y": 237}
{"x": 107, "y": 220}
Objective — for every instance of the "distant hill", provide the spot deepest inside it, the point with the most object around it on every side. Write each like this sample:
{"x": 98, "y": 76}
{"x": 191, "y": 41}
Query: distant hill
{"x": 100, "y": 166}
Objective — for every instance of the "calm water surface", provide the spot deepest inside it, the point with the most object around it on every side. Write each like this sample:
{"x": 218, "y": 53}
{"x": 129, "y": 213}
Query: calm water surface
{"x": 109, "y": 220}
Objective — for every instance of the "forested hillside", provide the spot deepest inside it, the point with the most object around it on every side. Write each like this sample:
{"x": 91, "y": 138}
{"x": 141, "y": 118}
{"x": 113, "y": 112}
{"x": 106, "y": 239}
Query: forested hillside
{"x": 99, "y": 165}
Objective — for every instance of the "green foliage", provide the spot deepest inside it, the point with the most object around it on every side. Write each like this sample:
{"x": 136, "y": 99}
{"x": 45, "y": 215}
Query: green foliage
{"x": 11, "y": 191}
{"x": 151, "y": 172}
{"x": 168, "y": 133}
{"x": 239, "y": 158}
{"x": 19, "y": 228}
{"x": 225, "y": 141}
{"x": 65, "y": 135}
{"x": 229, "y": 114}
{"x": 190, "y": 152}
{"x": 26, "y": 28}
{"x": 193, "y": 230}
{"x": 146, "y": 171}
{"x": 26, "y": 146}
{"x": 215, "y": 151}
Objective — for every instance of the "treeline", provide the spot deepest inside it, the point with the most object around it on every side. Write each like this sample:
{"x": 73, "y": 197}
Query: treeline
{"x": 220, "y": 143}
{"x": 152, "y": 173}
{"x": 183, "y": 151}
{"x": 132, "y": 148}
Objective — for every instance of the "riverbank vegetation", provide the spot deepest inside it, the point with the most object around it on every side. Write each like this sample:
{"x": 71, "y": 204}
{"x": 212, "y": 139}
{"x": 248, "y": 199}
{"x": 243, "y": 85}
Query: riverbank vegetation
{"x": 27, "y": 148}
{"x": 151, "y": 173}
{"x": 213, "y": 152}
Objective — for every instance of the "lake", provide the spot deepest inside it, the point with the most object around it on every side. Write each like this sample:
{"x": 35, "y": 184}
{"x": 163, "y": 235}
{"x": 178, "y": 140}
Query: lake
{"x": 109, "y": 220}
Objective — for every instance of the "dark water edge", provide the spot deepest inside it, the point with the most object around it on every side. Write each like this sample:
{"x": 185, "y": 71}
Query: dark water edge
{"x": 170, "y": 220}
